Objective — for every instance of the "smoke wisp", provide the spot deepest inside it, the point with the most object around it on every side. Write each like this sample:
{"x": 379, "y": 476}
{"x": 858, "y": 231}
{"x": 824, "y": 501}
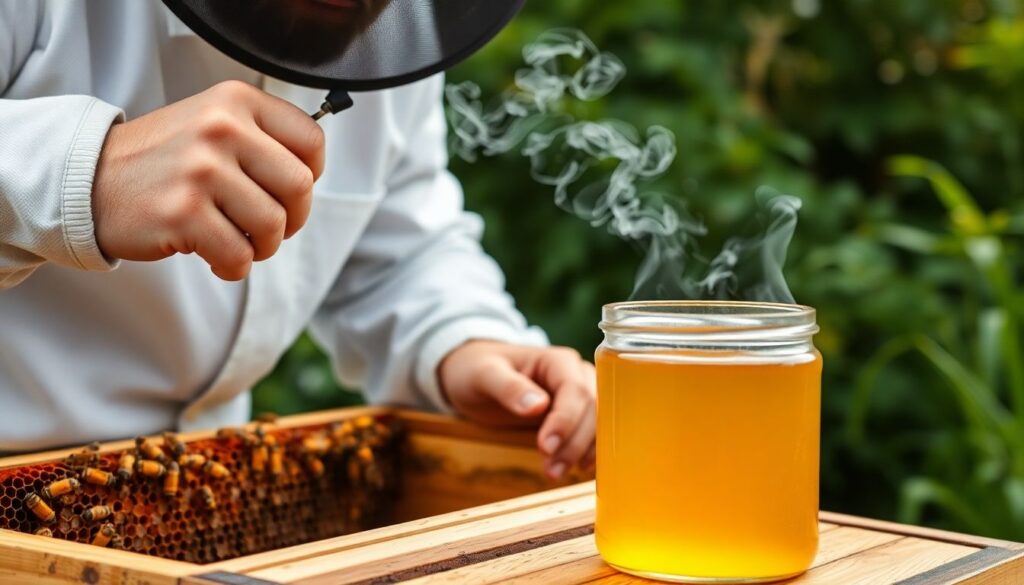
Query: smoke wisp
{"x": 600, "y": 172}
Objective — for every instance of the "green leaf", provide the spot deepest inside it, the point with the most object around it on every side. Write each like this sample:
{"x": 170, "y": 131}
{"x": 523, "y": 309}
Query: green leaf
{"x": 964, "y": 213}
{"x": 919, "y": 492}
{"x": 978, "y": 402}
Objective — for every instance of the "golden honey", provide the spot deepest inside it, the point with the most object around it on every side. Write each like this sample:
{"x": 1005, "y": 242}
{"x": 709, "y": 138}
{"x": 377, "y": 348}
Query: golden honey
{"x": 707, "y": 458}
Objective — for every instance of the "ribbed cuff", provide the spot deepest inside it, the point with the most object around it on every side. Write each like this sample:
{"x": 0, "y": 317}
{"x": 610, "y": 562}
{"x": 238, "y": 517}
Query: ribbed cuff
{"x": 76, "y": 198}
{"x": 446, "y": 338}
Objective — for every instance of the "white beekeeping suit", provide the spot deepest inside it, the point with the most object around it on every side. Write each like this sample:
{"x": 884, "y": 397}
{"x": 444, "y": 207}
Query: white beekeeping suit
{"x": 388, "y": 272}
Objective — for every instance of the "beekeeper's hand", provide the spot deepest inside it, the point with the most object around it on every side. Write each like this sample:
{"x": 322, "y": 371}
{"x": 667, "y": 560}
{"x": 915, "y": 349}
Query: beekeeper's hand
{"x": 227, "y": 174}
{"x": 504, "y": 384}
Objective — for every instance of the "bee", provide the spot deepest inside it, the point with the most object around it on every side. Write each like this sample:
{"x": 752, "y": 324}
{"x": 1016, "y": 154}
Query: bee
{"x": 380, "y": 434}
{"x": 340, "y": 429}
{"x": 116, "y": 543}
{"x": 315, "y": 465}
{"x": 150, "y": 450}
{"x": 60, "y": 487}
{"x": 236, "y": 433}
{"x": 193, "y": 461}
{"x": 315, "y": 445}
{"x": 125, "y": 466}
{"x": 98, "y": 477}
{"x": 206, "y": 494}
{"x": 88, "y": 455}
{"x": 373, "y": 476}
{"x": 382, "y": 430}
{"x": 348, "y": 444}
{"x": 171, "y": 480}
{"x": 365, "y": 454}
{"x": 176, "y": 445}
{"x": 267, "y": 417}
{"x": 258, "y": 458}
{"x": 97, "y": 513}
{"x": 216, "y": 470}
{"x": 259, "y": 431}
{"x": 43, "y": 531}
{"x": 355, "y": 471}
{"x": 150, "y": 468}
{"x": 276, "y": 461}
{"x": 294, "y": 469}
{"x": 38, "y": 507}
{"x": 104, "y": 535}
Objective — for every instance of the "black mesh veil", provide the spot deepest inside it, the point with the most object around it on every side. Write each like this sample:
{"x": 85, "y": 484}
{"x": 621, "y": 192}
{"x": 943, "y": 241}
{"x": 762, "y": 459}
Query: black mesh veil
{"x": 349, "y": 45}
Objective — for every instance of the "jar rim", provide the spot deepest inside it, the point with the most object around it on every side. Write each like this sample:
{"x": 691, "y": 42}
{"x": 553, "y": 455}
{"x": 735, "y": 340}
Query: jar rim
{"x": 711, "y": 319}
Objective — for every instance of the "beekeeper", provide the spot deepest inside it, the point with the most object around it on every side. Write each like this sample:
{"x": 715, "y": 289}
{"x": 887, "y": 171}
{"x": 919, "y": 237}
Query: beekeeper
{"x": 171, "y": 221}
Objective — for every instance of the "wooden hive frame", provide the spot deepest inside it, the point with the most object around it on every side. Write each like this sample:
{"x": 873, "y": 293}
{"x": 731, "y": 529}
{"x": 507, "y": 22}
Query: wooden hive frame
{"x": 448, "y": 465}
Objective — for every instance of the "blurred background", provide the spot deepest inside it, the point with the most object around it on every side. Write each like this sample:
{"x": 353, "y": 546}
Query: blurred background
{"x": 899, "y": 125}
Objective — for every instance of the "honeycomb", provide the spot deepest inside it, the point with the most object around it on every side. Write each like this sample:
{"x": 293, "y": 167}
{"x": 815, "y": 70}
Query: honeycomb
{"x": 278, "y": 487}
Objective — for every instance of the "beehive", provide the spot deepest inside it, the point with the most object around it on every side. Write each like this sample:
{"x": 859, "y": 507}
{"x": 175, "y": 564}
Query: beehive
{"x": 326, "y": 480}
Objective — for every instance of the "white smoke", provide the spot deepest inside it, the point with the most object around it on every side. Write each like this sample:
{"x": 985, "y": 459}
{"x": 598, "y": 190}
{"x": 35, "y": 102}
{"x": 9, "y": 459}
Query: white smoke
{"x": 574, "y": 157}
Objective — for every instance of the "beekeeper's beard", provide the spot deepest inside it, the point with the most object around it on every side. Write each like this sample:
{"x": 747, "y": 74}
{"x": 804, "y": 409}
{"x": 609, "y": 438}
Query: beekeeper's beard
{"x": 300, "y": 31}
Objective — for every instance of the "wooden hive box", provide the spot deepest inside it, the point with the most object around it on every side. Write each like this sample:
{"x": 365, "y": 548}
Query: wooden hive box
{"x": 446, "y": 465}
{"x": 475, "y": 508}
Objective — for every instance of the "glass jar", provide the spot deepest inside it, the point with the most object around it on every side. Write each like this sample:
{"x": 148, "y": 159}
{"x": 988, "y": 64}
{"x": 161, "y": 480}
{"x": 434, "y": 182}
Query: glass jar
{"x": 707, "y": 440}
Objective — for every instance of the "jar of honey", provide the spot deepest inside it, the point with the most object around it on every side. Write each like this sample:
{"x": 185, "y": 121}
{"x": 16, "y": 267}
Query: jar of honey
{"x": 708, "y": 440}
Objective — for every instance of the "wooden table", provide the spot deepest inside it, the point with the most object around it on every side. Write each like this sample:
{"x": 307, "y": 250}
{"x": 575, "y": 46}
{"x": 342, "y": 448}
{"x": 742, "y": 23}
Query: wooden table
{"x": 547, "y": 538}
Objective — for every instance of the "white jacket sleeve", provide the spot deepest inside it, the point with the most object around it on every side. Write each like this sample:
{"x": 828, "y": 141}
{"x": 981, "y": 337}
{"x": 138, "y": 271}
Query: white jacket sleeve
{"x": 48, "y": 152}
{"x": 418, "y": 283}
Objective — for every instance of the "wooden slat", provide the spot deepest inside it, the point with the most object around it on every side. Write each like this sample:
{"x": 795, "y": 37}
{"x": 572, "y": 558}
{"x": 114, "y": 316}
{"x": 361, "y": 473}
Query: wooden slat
{"x": 836, "y": 543}
{"x": 1009, "y": 571}
{"x": 573, "y": 560}
{"x": 403, "y": 553}
{"x": 499, "y": 554}
{"x": 577, "y": 561}
{"x": 224, "y": 578}
{"x": 919, "y": 531}
{"x": 889, "y": 563}
{"x": 26, "y": 558}
{"x": 426, "y": 423}
{"x": 880, "y": 565}
{"x": 405, "y": 530}
{"x": 982, "y": 561}
{"x": 845, "y": 541}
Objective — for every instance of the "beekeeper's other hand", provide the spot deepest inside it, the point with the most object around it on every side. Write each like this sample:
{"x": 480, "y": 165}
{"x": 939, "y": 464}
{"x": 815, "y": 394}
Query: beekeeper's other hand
{"x": 504, "y": 384}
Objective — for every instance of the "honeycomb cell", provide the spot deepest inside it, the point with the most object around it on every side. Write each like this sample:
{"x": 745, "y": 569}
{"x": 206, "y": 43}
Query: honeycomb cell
{"x": 249, "y": 512}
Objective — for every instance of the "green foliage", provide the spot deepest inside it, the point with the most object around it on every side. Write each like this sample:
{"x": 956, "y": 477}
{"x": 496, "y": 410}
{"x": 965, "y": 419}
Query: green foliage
{"x": 915, "y": 280}
{"x": 302, "y": 381}
{"x": 984, "y": 491}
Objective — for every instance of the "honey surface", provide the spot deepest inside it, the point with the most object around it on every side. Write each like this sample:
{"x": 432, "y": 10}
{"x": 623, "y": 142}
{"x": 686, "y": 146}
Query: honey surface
{"x": 707, "y": 469}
